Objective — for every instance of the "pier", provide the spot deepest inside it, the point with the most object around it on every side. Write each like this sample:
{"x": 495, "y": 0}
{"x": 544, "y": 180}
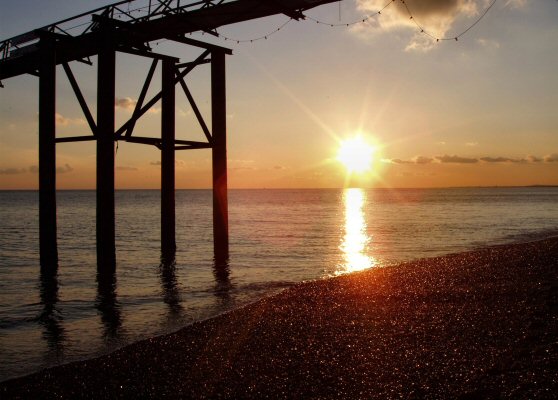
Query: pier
{"x": 105, "y": 32}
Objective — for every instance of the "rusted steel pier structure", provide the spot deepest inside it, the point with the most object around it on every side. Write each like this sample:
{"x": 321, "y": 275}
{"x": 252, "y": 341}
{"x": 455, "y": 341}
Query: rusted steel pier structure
{"x": 129, "y": 27}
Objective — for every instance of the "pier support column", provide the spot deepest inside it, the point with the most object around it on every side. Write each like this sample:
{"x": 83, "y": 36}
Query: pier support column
{"x": 219, "y": 155}
{"x": 168, "y": 228}
{"x": 106, "y": 251}
{"x": 47, "y": 157}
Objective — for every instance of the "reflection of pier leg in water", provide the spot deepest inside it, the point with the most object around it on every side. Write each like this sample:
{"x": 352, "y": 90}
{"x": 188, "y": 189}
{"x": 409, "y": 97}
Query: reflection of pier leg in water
{"x": 107, "y": 304}
{"x": 221, "y": 272}
{"x": 169, "y": 284}
{"x": 50, "y": 318}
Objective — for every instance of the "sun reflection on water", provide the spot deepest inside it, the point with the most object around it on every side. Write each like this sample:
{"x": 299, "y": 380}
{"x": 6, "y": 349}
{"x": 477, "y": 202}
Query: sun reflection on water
{"x": 356, "y": 238}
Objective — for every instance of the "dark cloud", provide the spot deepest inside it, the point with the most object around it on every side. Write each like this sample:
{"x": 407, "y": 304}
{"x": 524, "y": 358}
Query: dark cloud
{"x": 503, "y": 160}
{"x": 399, "y": 161}
{"x": 12, "y": 171}
{"x": 420, "y": 160}
{"x": 126, "y": 168}
{"x": 64, "y": 169}
{"x": 551, "y": 158}
{"x": 423, "y": 160}
{"x": 456, "y": 159}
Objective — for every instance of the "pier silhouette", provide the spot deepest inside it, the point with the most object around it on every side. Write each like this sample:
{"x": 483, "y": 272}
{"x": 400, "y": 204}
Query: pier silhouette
{"x": 103, "y": 33}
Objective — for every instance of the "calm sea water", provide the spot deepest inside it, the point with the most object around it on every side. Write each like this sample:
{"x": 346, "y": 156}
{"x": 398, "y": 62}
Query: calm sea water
{"x": 278, "y": 238}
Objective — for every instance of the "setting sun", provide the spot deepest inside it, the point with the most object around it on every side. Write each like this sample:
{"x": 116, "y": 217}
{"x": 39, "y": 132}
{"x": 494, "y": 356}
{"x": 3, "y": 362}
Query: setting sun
{"x": 356, "y": 155}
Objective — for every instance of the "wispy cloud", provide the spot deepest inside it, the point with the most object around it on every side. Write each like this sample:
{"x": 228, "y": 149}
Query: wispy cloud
{"x": 488, "y": 43}
{"x": 503, "y": 160}
{"x": 12, "y": 171}
{"x": 516, "y": 3}
{"x": 178, "y": 163}
{"x": 125, "y": 103}
{"x": 472, "y": 144}
{"x": 63, "y": 121}
{"x": 59, "y": 170}
{"x": 128, "y": 104}
{"x": 124, "y": 168}
{"x": 64, "y": 169}
{"x": 415, "y": 160}
{"x": 456, "y": 159}
{"x": 239, "y": 165}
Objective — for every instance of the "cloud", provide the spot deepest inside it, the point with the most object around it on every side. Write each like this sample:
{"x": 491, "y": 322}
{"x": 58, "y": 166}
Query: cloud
{"x": 12, "y": 171}
{"x": 178, "y": 163}
{"x": 421, "y": 160}
{"x": 64, "y": 169}
{"x": 279, "y": 168}
{"x": 534, "y": 159}
{"x": 125, "y": 103}
{"x": 466, "y": 160}
{"x": 456, "y": 159}
{"x": 238, "y": 165}
{"x": 63, "y": 121}
{"x": 488, "y": 43}
{"x": 123, "y": 168}
{"x": 434, "y": 16}
{"x": 472, "y": 144}
{"x": 128, "y": 104}
{"x": 59, "y": 170}
{"x": 503, "y": 160}
{"x": 516, "y": 3}
{"x": 399, "y": 161}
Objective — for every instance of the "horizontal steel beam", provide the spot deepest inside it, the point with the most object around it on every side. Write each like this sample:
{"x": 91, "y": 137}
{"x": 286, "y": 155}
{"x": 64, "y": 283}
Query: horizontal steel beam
{"x": 134, "y": 34}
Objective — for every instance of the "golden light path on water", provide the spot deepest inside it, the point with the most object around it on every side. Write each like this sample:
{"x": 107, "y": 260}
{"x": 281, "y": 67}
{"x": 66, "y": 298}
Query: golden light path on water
{"x": 356, "y": 238}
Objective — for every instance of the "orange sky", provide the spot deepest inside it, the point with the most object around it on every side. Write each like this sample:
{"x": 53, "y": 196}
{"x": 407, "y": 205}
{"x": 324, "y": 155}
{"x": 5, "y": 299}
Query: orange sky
{"x": 477, "y": 112}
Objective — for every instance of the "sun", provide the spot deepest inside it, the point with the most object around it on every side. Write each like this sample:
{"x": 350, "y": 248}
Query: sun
{"x": 356, "y": 155}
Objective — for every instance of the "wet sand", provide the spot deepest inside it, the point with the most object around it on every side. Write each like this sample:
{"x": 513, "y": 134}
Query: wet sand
{"x": 475, "y": 325}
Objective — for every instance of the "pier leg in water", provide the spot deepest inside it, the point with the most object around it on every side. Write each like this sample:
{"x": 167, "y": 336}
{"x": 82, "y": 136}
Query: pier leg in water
{"x": 106, "y": 251}
{"x": 219, "y": 154}
{"x": 107, "y": 304}
{"x": 47, "y": 157}
{"x": 168, "y": 229}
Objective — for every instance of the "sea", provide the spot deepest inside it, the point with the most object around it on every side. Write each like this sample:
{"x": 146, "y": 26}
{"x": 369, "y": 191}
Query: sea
{"x": 278, "y": 238}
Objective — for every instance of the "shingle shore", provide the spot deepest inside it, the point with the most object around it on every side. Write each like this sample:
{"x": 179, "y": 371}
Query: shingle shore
{"x": 481, "y": 324}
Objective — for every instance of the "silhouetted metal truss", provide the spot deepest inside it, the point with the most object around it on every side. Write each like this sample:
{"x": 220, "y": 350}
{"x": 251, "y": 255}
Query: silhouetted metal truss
{"x": 133, "y": 24}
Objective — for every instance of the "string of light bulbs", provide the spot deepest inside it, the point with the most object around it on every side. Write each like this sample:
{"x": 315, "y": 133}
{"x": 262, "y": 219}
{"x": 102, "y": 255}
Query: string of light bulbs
{"x": 364, "y": 19}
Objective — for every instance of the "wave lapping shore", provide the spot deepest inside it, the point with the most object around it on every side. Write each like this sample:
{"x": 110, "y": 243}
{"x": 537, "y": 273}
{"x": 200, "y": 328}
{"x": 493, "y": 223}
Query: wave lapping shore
{"x": 480, "y": 324}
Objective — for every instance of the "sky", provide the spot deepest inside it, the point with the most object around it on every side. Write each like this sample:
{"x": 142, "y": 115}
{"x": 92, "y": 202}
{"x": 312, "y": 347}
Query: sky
{"x": 479, "y": 111}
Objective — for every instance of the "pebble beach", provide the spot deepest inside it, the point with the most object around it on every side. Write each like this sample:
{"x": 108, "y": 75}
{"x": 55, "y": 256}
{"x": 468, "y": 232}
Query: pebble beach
{"x": 475, "y": 325}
